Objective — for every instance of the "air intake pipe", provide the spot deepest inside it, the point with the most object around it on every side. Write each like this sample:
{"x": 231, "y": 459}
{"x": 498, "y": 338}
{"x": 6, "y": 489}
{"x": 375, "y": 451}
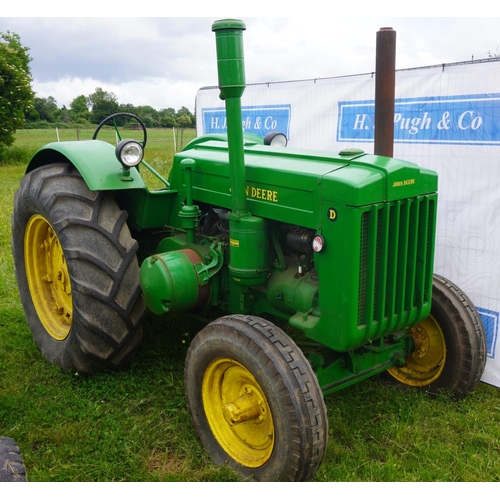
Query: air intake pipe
{"x": 231, "y": 72}
{"x": 248, "y": 235}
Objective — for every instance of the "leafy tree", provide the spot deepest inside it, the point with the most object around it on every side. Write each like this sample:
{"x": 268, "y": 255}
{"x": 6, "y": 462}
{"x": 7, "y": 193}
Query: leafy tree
{"x": 127, "y": 108}
{"x": 62, "y": 115}
{"x": 148, "y": 115}
{"x": 185, "y": 118}
{"x": 31, "y": 115}
{"x": 79, "y": 111}
{"x": 16, "y": 94}
{"x": 167, "y": 118}
{"x": 103, "y": 104}
{"x": 184, "y": 121}
{"x": 46, "y": 107}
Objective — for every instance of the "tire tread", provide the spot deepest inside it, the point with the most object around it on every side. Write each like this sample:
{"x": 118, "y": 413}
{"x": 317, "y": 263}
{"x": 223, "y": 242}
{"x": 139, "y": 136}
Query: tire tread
{"x": 101, "y": 258}
{"x": 291, "y": 375}
{"x": 473, "y": 344}
{"x": 12, "y": 467}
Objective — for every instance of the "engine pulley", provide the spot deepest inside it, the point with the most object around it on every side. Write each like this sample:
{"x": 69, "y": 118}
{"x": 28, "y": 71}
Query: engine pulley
{"x": 170, "y": 281}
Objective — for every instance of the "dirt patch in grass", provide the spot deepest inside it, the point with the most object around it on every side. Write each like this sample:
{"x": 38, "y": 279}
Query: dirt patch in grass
{"x": 164, "y": 463}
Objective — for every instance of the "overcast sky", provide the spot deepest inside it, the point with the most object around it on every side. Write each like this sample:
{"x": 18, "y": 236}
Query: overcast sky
{"x": 163, "y": 61}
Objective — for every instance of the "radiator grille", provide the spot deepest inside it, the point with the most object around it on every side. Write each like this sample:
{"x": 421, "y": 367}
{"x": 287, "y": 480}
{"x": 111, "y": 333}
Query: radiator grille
{"x": 395, "y": 268}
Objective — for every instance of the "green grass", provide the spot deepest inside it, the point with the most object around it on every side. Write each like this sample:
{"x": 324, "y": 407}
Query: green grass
{"x": 133, "y": 425}
{"x": 160, "y": 147}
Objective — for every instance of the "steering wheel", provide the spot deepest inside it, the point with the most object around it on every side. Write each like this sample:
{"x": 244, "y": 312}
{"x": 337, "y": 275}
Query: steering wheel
{"x": 129, "y": 115}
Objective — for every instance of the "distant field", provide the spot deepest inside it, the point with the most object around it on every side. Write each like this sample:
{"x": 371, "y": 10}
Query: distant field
{"x": 159, "y": 139}
{"x": 160, "y": 148}
{"x": 133, "y": 425}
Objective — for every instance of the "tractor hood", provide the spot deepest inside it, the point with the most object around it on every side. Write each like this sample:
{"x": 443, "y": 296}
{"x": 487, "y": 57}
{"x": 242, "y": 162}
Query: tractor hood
{"x": 290, "y": 184}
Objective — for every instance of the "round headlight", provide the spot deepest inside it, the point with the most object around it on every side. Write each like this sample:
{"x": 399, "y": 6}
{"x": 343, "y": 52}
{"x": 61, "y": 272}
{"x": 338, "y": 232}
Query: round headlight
{"x": 276, "y": 139}
{"x": 129, "y": 153}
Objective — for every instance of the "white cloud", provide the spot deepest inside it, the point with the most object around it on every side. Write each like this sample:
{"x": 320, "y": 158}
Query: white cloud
{"x": 164, "y": 61}
{"x": 156, "y": 92}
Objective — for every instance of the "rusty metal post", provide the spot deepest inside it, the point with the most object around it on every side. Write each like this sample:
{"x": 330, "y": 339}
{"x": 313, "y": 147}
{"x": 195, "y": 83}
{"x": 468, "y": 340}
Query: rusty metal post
{"x": 385, "y": 83}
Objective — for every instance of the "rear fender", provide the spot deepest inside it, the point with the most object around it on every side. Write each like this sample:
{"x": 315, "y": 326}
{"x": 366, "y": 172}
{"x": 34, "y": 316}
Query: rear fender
{"x": 95, "y": 160}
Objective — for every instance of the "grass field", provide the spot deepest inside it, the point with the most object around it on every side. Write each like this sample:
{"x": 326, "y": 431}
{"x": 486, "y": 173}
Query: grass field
{"x": 160, "y": 148}
{"x": 133, "y": 425}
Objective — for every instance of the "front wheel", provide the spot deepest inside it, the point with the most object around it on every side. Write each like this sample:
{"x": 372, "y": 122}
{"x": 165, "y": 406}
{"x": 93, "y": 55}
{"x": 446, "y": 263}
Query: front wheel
{"x": 77, "y": 271}
{"x": 254, "y": 400}
{"x": 450, "y": 345}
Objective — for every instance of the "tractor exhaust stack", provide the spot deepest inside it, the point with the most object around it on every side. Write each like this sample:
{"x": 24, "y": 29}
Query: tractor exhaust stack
{"x": 385, "y": 82}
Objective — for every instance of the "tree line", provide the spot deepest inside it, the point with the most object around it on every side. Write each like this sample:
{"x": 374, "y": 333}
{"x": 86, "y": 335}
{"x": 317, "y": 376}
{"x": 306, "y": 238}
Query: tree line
{"x": 20, "y": 107}
{"x": 92, "y": 109}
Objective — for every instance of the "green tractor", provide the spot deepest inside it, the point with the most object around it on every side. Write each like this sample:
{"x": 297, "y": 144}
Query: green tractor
{"x": 339, "y": 246}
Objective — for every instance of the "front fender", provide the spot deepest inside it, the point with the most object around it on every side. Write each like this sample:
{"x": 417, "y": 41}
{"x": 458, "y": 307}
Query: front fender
{"x": 95, "y": 160}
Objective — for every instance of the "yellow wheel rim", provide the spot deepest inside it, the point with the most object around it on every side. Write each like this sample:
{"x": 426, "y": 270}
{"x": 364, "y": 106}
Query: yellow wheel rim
{"x": 238, "y": 413}
{"x": 426, "y": 363}
{"x": 48, "y": 277}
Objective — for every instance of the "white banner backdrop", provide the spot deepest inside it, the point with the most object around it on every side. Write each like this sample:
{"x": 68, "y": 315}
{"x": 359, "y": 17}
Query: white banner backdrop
{"x": 447, "y": 118}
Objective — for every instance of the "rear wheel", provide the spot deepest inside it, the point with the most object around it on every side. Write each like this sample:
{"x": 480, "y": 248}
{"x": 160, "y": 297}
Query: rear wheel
{"x": 77, "y": 271}
{"x": 11, "y": 462}
{"x": 450, "y": 345}
{"x": 254, "y": 400}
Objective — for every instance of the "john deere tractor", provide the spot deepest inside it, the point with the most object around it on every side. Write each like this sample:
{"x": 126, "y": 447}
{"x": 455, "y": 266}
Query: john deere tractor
{"x": 336, "y": 246}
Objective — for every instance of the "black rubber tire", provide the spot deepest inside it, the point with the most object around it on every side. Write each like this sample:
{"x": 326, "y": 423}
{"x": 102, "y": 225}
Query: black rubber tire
{"x": 464, "y": 338}
{"x": 12, "y": 467}
{"x": 290, "y": 387}
{"x": 101, "y": 260}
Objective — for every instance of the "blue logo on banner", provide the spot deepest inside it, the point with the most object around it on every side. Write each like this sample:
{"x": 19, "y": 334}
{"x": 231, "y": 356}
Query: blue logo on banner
{"x": 467, "y": 119}
{"x": 490, "y": 323}
{"x": 258, "y": 120}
